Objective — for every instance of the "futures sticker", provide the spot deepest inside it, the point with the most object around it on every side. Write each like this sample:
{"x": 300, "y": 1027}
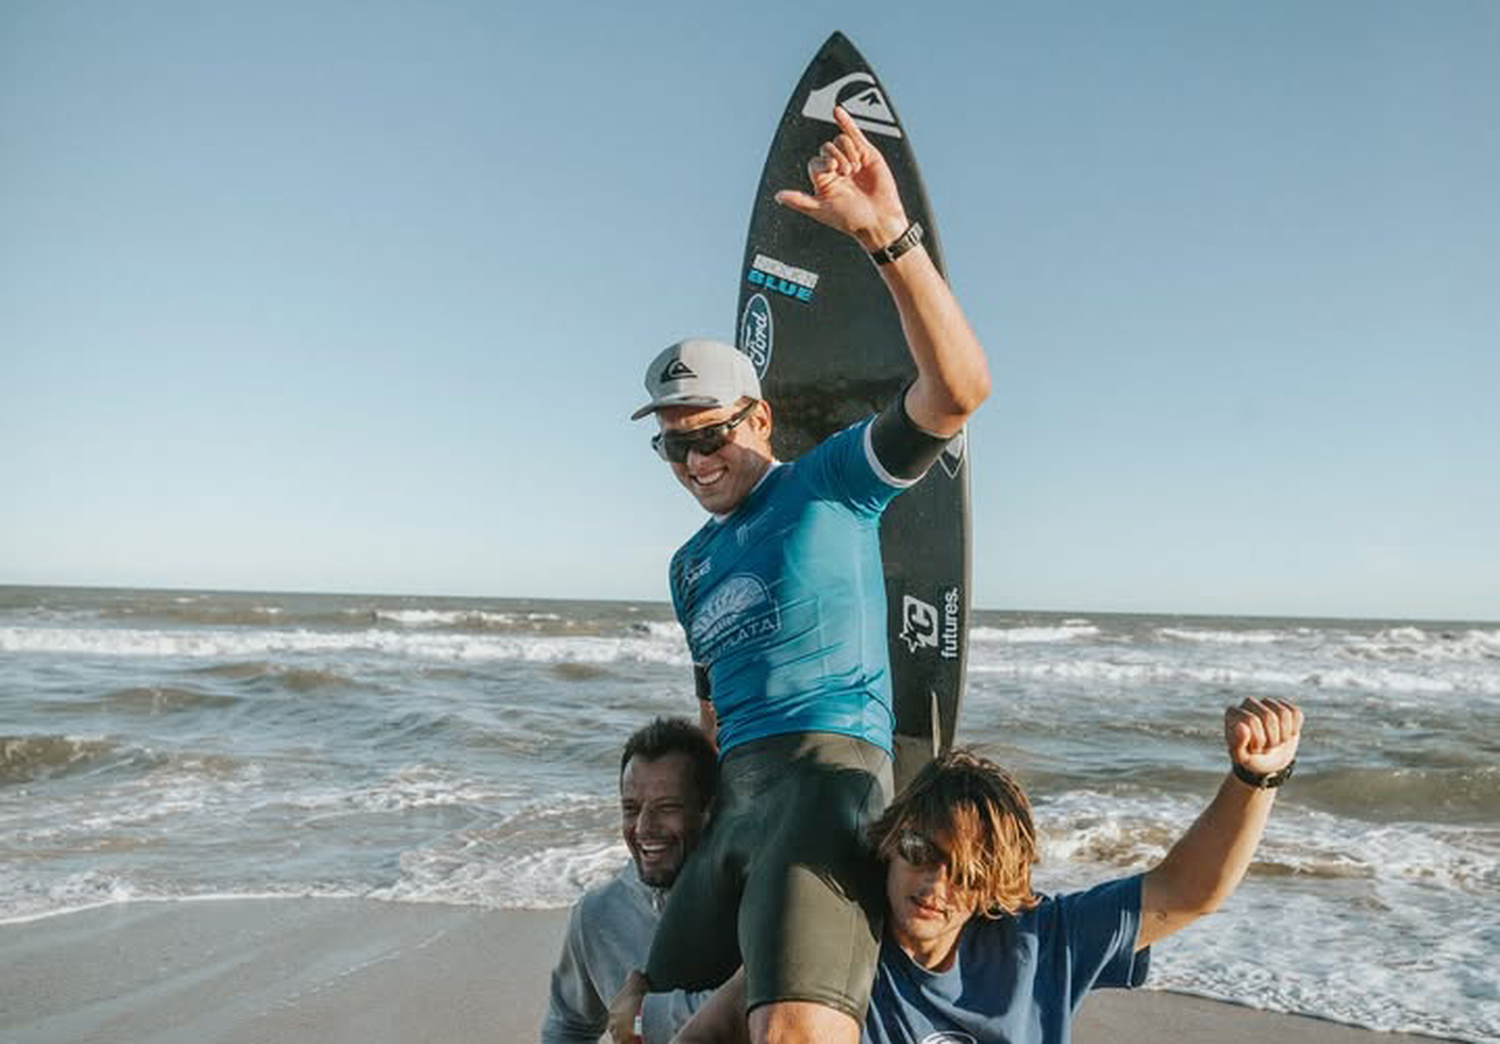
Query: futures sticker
{"x": 782, "y": 278}
{"x": 919, "y": 624}
{"x": 755, "y": 333}
{"x": 951, "y": 610}
{"x": 860, "y": 98}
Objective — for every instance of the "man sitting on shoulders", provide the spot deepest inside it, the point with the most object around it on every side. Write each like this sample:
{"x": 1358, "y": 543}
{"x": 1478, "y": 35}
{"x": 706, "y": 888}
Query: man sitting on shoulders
{"x": 972, "y": 953}
{"x": 668, "y": 776}
{"x": 781, "y": 594}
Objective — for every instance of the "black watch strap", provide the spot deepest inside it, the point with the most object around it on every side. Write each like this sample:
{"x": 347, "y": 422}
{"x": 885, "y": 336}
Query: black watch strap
{"x": 1263, "y": 781}
{"x": 902, "y": 243}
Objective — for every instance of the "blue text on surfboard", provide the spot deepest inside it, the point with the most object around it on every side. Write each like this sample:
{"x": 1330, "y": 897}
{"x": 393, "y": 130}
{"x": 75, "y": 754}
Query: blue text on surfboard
{"x": 782, "y": 278}
{"x": 778, "y": 285}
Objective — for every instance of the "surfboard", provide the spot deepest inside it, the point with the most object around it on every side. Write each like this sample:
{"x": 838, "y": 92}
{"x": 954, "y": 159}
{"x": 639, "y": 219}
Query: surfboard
{"x": 825, "y": 337}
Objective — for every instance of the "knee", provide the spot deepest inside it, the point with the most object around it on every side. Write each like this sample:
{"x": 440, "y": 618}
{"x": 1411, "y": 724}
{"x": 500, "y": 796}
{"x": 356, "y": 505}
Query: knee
{"x": 802, "y": 1022}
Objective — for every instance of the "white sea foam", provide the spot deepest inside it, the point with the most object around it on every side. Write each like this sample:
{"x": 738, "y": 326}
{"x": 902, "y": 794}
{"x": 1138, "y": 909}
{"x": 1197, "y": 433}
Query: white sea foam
{"x": 156, "y": 799}
{"x": 92, "y": 891}
{"x": 546, "y": 880}
{"x": 664, "y": 647}
{"x": 1129, "y": 833}
{"x": 1183, "y": 634}
{"x": 1071, "y": 630}
{"x": 549, "y": 879}
{"x": 1411, "y": 974}
{"x": 80, "y": 891}
{"x": 1392, "y": 926}
{"x": 445, "y": 618}
{"x": 1235, "y": 674}
{"x": 1414, "y": 643}
{"x": 415, "y": 787}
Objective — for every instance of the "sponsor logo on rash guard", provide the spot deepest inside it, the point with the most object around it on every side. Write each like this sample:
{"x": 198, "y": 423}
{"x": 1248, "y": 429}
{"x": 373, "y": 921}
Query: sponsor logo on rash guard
{"x": 697, "y": 572}
{"x": 739, "y": 610}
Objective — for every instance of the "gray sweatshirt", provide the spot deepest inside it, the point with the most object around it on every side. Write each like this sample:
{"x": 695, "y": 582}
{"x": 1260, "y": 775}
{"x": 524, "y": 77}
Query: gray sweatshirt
{"x": 609, "y": 936}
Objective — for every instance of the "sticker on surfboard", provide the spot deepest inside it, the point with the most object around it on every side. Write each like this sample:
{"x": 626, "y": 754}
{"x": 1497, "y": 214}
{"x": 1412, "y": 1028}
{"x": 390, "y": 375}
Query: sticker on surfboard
{"x": 861, "y": 98}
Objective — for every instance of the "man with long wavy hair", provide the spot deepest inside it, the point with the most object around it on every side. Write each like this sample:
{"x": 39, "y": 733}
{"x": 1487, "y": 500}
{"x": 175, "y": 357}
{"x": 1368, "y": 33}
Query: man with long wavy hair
{"x": 972, "y": 954}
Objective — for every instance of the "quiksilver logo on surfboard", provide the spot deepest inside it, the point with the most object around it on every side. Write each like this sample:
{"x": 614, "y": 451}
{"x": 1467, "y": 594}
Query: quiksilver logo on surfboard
{"x": 952, "y": 457}
{"x": 861, "y": 99}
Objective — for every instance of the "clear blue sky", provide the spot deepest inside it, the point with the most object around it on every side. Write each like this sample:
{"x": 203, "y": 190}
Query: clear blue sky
{"x": 356, "y": 295}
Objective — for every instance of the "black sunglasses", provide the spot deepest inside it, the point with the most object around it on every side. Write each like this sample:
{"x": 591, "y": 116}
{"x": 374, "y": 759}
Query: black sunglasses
{"x": 674, "y": 446}
{"x": 920, "y": 851}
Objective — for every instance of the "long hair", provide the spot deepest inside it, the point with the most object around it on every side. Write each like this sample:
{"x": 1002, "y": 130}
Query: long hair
{"x": 986, "y": 817}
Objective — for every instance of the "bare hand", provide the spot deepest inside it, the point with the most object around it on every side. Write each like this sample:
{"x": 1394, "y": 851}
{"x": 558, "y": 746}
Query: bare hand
{"x": 721, "y": 1020}
{"x": 1262, "y": 735}
{"x": 625, "y": 1007}
{"x": 853, "y": 189}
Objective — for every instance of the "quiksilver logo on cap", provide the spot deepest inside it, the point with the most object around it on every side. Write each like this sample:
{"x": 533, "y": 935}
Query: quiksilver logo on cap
{"x": 677, "y": 370}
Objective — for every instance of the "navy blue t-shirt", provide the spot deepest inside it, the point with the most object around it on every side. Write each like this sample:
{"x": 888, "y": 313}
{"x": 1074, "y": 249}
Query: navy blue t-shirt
{"x": 1016, "y": 980}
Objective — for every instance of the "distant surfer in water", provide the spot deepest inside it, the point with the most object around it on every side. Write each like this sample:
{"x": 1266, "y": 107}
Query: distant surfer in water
{"x": 782, "y": 596}
{"x": 973, "y": 954}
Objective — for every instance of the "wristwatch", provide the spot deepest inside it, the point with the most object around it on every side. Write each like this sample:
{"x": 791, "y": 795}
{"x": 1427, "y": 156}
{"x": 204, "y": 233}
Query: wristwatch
{"x": 1264, "y": 780}
{"x": 900, "y": 245}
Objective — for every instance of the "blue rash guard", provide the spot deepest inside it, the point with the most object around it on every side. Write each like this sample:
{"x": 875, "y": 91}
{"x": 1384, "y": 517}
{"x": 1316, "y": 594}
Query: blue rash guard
{"x": 783, "y": 600}
{"x": 1014, "y": 980}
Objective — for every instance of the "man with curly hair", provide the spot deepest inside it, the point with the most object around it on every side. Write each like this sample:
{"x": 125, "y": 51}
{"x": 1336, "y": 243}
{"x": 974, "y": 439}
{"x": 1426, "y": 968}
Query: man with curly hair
{"x": 972, "y": 953}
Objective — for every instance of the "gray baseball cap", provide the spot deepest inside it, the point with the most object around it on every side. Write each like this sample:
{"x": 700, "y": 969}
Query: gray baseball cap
{"x": 699, "y": 372}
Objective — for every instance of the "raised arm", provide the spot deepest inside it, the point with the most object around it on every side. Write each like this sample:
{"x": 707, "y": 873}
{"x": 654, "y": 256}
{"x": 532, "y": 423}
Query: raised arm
{"x": 1205, "y": 866}
{"x": 855, "y": 193}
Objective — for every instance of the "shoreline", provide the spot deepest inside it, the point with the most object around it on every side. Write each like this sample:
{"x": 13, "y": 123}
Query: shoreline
{"x": 254, "y": 971}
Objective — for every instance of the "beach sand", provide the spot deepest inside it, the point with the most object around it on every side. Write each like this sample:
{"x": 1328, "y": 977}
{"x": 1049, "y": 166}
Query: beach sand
{"x": 251, "y": 971}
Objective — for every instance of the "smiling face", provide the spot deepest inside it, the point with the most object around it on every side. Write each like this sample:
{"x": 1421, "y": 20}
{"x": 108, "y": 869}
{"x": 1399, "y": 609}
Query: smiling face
{"x": 720, "y": 481}
{"x": 661, "y": 814}
{"x": 927, "y": 910}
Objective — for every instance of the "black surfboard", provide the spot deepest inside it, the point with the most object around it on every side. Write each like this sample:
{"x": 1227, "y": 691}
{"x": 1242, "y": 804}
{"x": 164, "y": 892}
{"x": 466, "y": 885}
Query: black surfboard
{"x": 825, "y": 337}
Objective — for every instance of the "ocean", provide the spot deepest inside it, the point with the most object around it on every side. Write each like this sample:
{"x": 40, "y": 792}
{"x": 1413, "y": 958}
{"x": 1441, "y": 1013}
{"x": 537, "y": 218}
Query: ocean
{"x": 192, "y": 746}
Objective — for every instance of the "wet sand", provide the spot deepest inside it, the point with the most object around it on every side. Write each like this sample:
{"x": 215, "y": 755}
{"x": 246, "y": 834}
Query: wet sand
{"x": 249, "y": 971}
